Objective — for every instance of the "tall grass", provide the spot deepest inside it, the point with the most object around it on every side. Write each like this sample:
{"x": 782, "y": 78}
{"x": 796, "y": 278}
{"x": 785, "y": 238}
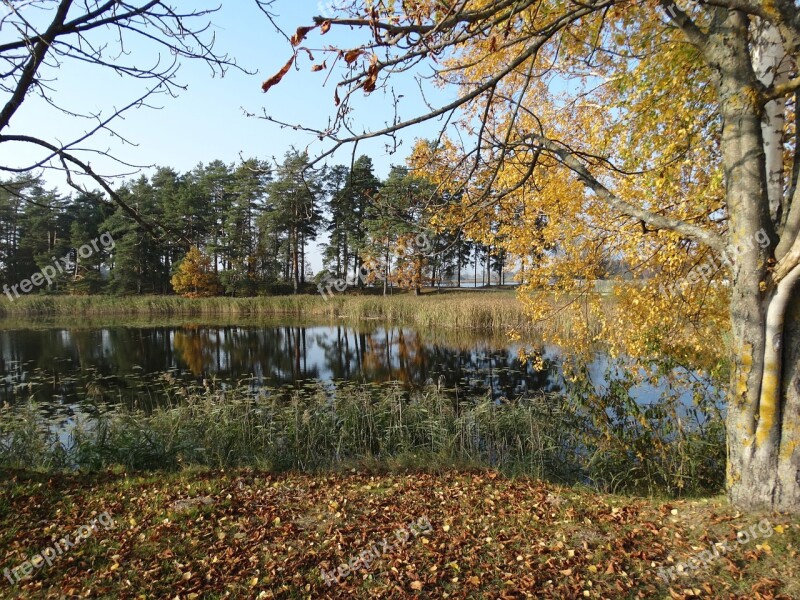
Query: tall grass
{"x": 550, "y": 437}
{"x": 465, "y": 310}
{"x": 498, "y": 311}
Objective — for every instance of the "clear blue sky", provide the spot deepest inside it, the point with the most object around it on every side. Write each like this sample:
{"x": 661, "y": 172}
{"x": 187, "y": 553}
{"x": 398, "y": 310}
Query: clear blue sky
{"x": 207, "y": 121}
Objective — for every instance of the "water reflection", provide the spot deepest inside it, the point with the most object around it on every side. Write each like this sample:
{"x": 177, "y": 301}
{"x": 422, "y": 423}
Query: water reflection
{"x": 121, "y": 362}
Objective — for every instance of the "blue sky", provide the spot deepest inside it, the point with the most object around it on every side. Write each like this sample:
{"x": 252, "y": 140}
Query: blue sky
{"x": 207, "y": 121}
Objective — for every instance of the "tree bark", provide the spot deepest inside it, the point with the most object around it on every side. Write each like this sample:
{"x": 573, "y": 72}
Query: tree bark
{"x": 458, "y": 264}
{"x": 386, "y": 267}
{"x": 771, "y": 66}
{"x": 761, "y": 427}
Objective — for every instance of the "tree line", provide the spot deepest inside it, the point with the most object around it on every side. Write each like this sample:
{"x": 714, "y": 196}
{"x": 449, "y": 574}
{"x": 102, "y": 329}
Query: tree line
{"x": 242, "y": 229}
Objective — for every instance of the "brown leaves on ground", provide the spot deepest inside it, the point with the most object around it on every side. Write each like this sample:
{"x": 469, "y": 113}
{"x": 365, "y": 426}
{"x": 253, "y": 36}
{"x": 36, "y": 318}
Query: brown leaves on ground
{"x": 259, "y": 535}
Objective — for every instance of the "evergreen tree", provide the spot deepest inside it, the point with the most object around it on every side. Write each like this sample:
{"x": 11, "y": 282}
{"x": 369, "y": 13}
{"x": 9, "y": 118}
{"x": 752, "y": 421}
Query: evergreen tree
{"x": 295, "y": 198}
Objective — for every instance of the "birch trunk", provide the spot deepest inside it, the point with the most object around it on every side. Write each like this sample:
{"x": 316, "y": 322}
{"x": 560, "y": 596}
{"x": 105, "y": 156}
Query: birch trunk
{"x": 762, "y": 432}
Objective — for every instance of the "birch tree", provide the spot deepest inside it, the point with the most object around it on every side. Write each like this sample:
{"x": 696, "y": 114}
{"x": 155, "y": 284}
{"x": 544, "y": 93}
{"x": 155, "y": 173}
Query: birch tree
{"x": 664, "y": 133}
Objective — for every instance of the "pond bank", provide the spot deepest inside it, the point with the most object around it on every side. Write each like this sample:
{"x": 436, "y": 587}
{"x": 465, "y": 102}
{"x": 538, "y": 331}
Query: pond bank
{"x": 327, "y": 427}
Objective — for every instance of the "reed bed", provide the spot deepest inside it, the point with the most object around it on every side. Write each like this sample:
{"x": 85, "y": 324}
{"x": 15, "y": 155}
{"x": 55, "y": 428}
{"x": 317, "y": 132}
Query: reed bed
{"x": 491, "y": 311}
{"x": 327, "y": 426}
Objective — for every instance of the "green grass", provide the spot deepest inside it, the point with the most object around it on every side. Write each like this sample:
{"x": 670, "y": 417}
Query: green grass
{"x": 322, "y": 428}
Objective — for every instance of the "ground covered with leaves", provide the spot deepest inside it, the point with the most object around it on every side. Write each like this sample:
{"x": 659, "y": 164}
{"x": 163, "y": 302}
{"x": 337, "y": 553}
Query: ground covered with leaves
{"x": 248, "y": 534}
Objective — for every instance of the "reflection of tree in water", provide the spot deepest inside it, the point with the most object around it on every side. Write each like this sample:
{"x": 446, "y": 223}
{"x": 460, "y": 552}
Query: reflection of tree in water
{"x": 194, "y": 346}
{"x": 397, "y": 354}
{"x": 122, "y": 362}
{"x": 343, "y": 351}
{"x": 272, "y": 355}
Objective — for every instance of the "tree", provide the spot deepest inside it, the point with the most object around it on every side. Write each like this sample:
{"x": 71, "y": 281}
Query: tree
{"x": 397, "y": 221}
{"x": 295, "y": 196}
{"x": 336, "y": 252}
{"x": 649, "y": 131}
{"x": 350, "y": 191}
{"x": 141, "y": 262}
{"x": 249, "y": 193}
{"x": 86, "y": 215}
{"x": 195, "y": 277}
{"x": 46, "y": 36}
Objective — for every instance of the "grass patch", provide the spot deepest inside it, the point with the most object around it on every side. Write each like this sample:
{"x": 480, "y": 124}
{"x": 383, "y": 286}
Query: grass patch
{"x": 323, "y": 427}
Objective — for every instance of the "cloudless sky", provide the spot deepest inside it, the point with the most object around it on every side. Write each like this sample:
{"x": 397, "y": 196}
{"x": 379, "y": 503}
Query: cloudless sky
{"x": 207, "y": 121}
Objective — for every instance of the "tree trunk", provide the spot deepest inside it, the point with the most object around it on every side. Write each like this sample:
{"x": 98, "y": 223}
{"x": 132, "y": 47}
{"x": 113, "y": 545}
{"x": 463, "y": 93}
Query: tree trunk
{"x": 303, "y": 258}
{"x": 762, "y": 431}
{"x": 764, "y": 410}
{"x": 485, "y": 265}
{"x": 339, "y": 258}
{"x": 458, "y": 264}
{"x": 295, "y": 267}
{"x": 388, "y": 268}
{"x": 475, "y": 269}
{"x": 771, "y": 66}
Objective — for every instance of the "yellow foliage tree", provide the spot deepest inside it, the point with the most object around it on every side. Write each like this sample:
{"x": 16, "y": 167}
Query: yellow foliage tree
{"x": 657, "y": 135}
{"x": 194, "y": 277}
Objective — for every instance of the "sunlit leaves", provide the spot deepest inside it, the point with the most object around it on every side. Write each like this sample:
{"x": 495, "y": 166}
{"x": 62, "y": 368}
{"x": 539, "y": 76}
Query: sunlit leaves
{"x": 194, "y": 277}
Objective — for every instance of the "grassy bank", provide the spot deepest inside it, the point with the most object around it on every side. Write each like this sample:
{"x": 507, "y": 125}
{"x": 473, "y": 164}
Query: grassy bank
{"x": 248, "y": 534}
{"x": 464, "y": 310}
{"x": 322, "y": 428}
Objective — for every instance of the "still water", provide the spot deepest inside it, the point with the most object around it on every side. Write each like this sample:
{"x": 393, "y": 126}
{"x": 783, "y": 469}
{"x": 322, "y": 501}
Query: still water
{"x": 61, "y": 364}
{"x": 64, "y": 361}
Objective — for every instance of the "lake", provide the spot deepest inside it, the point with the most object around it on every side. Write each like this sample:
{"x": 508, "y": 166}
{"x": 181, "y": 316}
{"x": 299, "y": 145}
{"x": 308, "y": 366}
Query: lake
{"x": 59, "y": 363}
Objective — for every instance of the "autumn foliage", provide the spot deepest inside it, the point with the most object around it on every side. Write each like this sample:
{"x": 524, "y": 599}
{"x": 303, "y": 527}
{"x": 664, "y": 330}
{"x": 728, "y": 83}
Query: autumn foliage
{"x": 627, "y": 144}
{"x": 194, "y": 277}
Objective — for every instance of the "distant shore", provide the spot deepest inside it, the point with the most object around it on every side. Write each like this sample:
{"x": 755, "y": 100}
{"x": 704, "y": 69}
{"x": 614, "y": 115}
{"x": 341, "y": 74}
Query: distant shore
{"x": 487, "y": 309}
